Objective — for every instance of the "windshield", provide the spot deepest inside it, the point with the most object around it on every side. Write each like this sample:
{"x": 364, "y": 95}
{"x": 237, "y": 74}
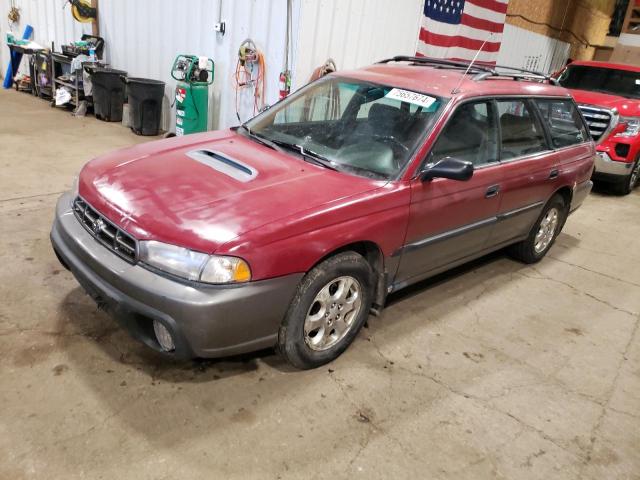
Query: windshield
{"x": 604, "y": 80}
{"x": 354, "y": 126}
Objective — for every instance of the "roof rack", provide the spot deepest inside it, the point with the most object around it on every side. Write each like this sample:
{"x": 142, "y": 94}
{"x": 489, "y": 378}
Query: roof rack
{"x": 428, "y": 61}
{"x": 482, "y": 72}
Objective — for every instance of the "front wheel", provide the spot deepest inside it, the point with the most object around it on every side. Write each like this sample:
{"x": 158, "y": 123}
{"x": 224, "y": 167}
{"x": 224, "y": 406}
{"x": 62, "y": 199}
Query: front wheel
{"x": 543, "y": 233}
{"x": 629, "y": 182}
{"x": 331, "y": 305}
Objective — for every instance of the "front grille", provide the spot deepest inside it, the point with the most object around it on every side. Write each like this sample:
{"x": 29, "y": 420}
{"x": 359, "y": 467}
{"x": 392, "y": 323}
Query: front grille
{"x": 598, "y": 119}
{"x": 112, "y": 237}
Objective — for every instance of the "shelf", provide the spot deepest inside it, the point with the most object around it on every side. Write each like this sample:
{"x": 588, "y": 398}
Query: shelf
{"x": 68, "y": 84}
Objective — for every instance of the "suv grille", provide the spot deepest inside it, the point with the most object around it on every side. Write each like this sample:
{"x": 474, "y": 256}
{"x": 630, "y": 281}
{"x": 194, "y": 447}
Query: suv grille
{"x": 112, "y": 237}
{"x": 598, "y": 119}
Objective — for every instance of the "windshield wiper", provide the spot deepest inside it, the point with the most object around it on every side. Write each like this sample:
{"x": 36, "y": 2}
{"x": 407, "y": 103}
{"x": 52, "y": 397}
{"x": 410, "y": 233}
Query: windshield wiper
{"x": 260, "y": 139}
{"x": 309, "y": 155}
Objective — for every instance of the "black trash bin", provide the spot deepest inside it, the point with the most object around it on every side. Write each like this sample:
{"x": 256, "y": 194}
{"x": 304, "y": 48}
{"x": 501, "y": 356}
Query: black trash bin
{"x": 145, "y": 104}
{"x": 108, "y": 93}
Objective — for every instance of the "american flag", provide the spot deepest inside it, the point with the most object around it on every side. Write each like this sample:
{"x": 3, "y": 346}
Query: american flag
{"x": 457, "y": 29}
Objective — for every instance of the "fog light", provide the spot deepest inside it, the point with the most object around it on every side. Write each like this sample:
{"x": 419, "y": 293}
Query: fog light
{"x": 163, "y": 336}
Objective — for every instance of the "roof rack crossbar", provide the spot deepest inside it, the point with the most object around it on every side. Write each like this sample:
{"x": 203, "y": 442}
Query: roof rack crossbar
{"x": 520, "y": 74}
{"x": 434, "y": 61}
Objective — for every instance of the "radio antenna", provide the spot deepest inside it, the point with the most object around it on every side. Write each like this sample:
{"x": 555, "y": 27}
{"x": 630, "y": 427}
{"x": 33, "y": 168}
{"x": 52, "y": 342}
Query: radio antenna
{"x": 475, "y": 57}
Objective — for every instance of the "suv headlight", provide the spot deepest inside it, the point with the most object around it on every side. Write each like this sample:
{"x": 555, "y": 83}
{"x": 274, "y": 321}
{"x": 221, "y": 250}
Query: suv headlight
{"x": 195, "y": 266}
{"x": 632, "y": 126}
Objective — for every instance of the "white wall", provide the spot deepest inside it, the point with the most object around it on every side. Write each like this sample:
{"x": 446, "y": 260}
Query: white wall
{"x": 144, "y": 36}
{"x": 524, "y": 49}
{"x": 354, "y": 32}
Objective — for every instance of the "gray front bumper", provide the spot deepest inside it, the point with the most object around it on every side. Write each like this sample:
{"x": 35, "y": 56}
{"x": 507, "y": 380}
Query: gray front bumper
{"x": 206, "y": 321}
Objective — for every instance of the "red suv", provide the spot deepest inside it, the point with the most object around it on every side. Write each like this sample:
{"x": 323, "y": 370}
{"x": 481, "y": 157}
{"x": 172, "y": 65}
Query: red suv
{"x": 608, "y": 94}
{"x": 289, "y": 230}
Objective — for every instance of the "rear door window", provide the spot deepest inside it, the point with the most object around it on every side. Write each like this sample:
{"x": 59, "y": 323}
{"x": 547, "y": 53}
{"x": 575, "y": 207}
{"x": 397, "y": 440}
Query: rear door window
{"x": 564, "y": 121}
{"x": 521, "y": 131}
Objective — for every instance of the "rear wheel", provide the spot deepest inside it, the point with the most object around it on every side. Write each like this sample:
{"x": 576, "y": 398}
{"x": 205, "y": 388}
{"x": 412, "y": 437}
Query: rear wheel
{"x": 543, "y": 233}
{"x": 331, "y": 305}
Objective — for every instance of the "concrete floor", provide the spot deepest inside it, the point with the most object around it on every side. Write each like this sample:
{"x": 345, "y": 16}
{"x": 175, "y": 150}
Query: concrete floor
{"x": 497, "y": 370}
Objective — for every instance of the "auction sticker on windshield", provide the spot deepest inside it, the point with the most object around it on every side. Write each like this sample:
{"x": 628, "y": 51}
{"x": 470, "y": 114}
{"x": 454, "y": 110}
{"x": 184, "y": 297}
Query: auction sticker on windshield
{"x": 412, "y": 97}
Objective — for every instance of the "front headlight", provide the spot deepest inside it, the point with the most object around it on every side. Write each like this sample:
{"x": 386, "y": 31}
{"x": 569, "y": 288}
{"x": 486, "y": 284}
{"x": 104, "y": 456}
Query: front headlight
{"x": 195, "y": 266}
{"x": 632, "y": 126}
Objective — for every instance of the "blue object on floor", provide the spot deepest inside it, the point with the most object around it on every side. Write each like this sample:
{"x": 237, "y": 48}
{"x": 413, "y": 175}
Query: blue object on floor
{"x": 15, "y": 59}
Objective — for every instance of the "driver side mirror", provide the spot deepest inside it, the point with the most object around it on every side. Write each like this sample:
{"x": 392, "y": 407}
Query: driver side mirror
{"x": 448, "y": 167}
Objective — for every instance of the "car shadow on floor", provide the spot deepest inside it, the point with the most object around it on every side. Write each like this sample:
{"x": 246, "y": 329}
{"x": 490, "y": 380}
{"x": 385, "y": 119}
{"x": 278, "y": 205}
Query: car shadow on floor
{"x": 604, "y": 189}
{"x": 85, "y": 321}
{"x": 164, "y": 399}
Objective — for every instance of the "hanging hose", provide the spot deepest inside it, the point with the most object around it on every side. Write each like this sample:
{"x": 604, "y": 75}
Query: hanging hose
{"x": 285, "y": 76}
{"x": 334, "y": 108}
{"x": 325, "y": 69}
{"x": 250, "y": 74}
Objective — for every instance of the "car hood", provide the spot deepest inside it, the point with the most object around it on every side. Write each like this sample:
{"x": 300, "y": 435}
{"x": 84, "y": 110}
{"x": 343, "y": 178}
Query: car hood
{"x": 625, "y": 106}
{"x": 166, "y": 191}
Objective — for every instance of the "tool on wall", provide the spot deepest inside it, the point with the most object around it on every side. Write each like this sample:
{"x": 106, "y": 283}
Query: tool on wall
{"x": 285, "y": 75}
{"x": 82, "y": 11}
{"x": 194, "y": 75}
{"x": 14, "y": 14}
{"x": 249, "y": 75}
{"x": 85, "y": 11}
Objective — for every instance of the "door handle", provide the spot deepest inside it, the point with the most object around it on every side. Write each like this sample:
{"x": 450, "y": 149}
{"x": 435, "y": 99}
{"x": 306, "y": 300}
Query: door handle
{"x": 492, "y": 191}
{"x": 554, "y": 174}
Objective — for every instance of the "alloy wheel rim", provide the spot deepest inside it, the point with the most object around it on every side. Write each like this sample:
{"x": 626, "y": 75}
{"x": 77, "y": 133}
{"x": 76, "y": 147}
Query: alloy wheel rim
{"x": 547, "y": 230}
{"x": 332, "y": 313}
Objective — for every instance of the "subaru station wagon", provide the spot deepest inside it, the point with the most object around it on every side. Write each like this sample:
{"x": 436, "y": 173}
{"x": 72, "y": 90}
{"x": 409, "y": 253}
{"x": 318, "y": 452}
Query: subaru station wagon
{"x": 291, "y": 229}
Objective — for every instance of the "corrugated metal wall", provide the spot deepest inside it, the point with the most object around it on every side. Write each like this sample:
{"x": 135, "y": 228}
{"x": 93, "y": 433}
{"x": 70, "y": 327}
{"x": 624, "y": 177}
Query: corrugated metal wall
{"x": 524, "y": 49}
{"x": 355, "y": 32}
{"x": 144, "y": 36}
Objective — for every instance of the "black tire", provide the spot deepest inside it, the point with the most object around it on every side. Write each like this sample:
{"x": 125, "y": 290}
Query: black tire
{"x": 630, "y": 181}
{"x": 291, "y": 336}
{"x": 526, "y": 251}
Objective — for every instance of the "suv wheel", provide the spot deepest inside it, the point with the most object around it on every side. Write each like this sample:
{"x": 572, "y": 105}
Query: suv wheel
{"x": 629, "y": 183}
{"x": 543, "y": 233}
{"x": 331, "y": 305}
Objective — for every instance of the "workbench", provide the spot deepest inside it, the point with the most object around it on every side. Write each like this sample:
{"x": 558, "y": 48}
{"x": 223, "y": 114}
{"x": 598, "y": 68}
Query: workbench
{"x": 15, "y": 66}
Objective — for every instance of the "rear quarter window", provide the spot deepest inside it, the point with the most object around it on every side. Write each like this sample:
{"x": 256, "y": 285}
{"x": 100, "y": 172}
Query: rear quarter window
{"x": 563, "y": 121}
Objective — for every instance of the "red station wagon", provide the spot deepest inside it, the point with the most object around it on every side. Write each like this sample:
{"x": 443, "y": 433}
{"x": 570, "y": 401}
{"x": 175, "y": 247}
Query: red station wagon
{"x": 289, "y": 230}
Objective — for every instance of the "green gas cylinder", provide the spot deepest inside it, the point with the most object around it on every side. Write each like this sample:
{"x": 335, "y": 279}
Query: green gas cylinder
{"x": 194, "y": 75}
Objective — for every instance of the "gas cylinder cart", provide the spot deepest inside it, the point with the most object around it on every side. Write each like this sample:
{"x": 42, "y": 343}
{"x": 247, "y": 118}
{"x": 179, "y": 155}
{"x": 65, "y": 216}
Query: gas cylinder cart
{"x": 194, "y": 75}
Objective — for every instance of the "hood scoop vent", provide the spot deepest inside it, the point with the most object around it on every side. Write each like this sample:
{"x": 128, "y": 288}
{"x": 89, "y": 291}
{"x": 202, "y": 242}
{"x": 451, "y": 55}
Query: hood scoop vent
{"x": 229, "y": 166}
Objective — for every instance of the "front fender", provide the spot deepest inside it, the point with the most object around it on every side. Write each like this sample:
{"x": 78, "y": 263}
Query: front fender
{"x": 296, "y": 244}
